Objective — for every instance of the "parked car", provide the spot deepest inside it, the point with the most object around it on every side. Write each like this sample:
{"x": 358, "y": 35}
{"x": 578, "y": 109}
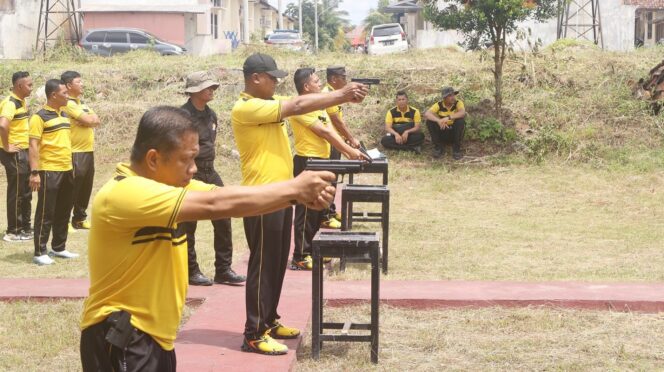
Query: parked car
{"x": 286, "y": 40}
{"x": 387, "y": 38}
{"x": 109, "y": 41}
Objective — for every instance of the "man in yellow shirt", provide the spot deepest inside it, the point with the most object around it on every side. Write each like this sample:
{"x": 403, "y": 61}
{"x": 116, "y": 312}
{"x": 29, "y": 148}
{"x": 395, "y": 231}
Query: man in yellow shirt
{"x": 313, "y": 133}
{"x": 446, "y": 123}
{"x": 14, "y": 157}
{"x": 402, "y": 124}
{"x": 51, "y": 174}
{"x": 83, "y": 121}
{"x": 138, "y": 249}
{"x": 337, "y": 79}
{"x": 262, "y": 140}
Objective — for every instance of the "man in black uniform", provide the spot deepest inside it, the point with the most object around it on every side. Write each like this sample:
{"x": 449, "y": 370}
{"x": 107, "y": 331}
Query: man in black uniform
{"x": 200, "y": 87}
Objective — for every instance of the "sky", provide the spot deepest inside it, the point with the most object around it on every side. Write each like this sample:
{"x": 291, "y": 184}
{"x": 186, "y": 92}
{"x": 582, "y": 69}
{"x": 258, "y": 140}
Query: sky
{"x": 357, "y": 9}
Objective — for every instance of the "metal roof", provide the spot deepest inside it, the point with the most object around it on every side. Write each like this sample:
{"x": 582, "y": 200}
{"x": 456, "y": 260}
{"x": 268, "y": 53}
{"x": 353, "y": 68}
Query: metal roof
{"x": 404, "y": 6}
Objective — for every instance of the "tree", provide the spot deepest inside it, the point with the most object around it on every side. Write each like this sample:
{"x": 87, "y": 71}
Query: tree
{"x": 488, "y": 21}
{"x": 329, "y": 21}
{"x": 377, "y": 16}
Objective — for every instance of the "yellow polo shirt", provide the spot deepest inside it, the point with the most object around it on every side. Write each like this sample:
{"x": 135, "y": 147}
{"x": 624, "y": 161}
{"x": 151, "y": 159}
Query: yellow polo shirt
{"x": 307, "y": 142}
{"x": 51, "y": 128}
{"x": 262, "y": 140}
{"x": 396, "y": 116}
{"x": 15, "y": 110}
{"x": 138, "y": 254}
{"x": 82, "y": 137}
{"x": 336, "y": 109}
{"x": 441, "y": 110}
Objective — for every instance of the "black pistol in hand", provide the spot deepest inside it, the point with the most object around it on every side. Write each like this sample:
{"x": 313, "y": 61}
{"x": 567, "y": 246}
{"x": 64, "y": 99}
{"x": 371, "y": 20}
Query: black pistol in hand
{"x": 338, "y": 167}
{"x": 366, "y": 81}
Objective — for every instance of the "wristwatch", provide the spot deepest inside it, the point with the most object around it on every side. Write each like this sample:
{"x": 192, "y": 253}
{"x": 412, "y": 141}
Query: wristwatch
{"x": 34, "y": 172}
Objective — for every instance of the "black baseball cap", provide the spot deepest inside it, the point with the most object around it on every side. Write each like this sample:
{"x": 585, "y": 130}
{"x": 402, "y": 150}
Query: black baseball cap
{"x": 259, "y": 62}
{"x": 448, "y": 91}
{"x": 336, "y": 70}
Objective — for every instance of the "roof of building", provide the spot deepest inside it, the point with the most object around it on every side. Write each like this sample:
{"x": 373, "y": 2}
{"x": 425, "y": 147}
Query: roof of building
{"x": 403, "y": 6}
{"x": 106, "y": 8}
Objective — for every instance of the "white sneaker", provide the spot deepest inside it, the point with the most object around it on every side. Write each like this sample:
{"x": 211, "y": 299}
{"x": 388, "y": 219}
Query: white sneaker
{"x": 9, "y": 237}
{"x": 63, "y": 254}
{"x": 42, "y": 260}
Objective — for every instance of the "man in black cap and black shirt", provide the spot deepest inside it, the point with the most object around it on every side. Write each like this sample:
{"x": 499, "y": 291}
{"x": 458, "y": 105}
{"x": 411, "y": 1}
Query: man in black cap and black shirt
{"x": 200, "y": 87}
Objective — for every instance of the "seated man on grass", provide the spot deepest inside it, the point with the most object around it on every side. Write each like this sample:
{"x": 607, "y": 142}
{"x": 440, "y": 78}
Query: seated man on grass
{"x": 402, "y": 124}
{"x": 446, "y": 123}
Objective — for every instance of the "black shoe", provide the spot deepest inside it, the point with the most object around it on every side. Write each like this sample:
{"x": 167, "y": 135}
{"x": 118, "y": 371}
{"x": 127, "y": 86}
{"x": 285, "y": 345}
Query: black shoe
{"x": 230, "y": 277}
{"x": 199, "y": 279}
{"x": 457, "y": 156}
{"x": 437, "y": 153}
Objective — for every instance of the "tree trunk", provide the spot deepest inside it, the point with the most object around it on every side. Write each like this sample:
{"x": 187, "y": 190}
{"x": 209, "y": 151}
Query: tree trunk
{"x": 498, "y": 58}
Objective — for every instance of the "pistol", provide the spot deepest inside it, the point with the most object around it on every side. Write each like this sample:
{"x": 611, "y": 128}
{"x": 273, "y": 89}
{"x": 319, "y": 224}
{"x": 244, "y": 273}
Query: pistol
{"x": 338, "y": 167}
{"x": 366, "y": 81}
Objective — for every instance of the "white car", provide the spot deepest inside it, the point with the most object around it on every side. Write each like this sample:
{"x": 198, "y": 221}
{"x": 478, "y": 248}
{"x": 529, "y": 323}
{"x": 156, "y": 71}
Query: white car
{"x": 387, "y": 38}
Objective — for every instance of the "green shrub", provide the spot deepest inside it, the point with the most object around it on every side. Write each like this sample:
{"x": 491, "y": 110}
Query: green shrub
{"x": 488, "y": 129}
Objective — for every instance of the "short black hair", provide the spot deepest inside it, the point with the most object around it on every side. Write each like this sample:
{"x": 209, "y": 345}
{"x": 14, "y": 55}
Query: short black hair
{"x": 161, "y": 128}
{"x": 402, "y": 93}
{"x": 18, "y": 75}
{"x": 301, "y": 76}
{"x": 69, "y": 76}
{"x": 51, "y": 86}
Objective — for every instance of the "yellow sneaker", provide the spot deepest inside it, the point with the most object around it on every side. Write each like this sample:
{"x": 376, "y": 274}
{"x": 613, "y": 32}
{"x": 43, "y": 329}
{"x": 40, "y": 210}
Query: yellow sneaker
{"x": 71, "y": 229}
{"x": 332, "y": 223}
{"x": 306, "y": 264}
{"x": 280, "y": 331}
{"x": 81, "y": 225}
{"x": 264, "y": 345}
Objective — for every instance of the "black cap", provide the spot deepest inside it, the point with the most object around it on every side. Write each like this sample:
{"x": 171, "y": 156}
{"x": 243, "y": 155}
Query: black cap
{"x": 259, "y": 62}
{"x": 336, "y": 70}
{"x": 449, "y": 90}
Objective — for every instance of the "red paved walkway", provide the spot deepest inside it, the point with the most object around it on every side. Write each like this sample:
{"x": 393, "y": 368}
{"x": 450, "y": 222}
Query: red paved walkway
{"x": 211, "y": 339}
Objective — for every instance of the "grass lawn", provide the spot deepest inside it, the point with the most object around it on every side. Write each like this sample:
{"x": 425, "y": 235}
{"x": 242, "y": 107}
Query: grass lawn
{"x": 497, "y": 339}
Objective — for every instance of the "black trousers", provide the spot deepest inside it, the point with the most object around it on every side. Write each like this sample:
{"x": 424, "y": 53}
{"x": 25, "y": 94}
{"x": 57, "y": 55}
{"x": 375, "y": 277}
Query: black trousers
{"x": 307, "y": 221}
{"x": 142, "y": 354}
{"x": 453, "y": 134}
{"x": 84, "y": 175}
{"x": 54, "y": 203}
{"x": 223, "y": 234}
{"x": 268, "y": 237}
{"x": 19, "y": 195}
{"x": 414, "y": 138}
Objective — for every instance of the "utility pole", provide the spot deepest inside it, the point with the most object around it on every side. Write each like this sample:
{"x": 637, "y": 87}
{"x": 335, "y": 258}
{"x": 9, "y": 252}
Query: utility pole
{"x": 245, "y": 21}
{"x": 580, "y": 19}
{"x": 54, "y": 16}
{"x": 316, "y": 26}
{"x": 299, "y": 18}
{"x": 280, "y": 19}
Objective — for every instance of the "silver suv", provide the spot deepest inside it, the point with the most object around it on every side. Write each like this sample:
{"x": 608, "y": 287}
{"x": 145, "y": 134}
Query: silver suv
{"x": 109, "y": 41}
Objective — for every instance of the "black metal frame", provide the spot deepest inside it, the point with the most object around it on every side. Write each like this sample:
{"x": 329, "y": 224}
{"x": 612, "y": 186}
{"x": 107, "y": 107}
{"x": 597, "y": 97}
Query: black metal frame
{"x": 344, "y": 244}
{"x": 352, "y": 193}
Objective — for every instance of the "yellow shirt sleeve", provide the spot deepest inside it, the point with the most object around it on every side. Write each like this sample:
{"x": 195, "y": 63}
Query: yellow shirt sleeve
{"x": 153, "y": 203}
{"x": 434, "y": 108}
{"x": 460, "y": 106}
{"x": 73, "y": 110}
{"x": 258, "y": 111}
{"x": 333, "y": 110}
{"x": 36, "y": 127}
{"x": 388, "y": 118}
{"x": 8, "y": 110}
{"x": 417, "y": 118}
{"x": 196, "y": 185}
